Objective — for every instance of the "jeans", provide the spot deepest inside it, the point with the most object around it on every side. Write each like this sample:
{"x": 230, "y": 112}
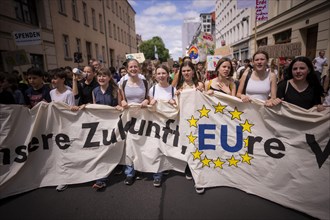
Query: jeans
{"x": 129, "y": 171}
{"x": 158, "y": 175}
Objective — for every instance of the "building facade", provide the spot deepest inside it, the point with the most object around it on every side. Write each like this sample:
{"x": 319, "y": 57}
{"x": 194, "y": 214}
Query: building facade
{"x": 207, "y": 22}
{"x": 98, "y": 29}
{"x": 234, "y": 28}
{"x": 293, "y": 28}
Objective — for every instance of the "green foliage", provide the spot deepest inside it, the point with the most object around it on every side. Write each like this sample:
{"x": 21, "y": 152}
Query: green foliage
{"x": 148, "y": 49}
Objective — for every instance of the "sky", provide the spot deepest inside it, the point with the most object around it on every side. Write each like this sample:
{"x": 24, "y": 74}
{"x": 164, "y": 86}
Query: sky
{"x": 164, "y": 18}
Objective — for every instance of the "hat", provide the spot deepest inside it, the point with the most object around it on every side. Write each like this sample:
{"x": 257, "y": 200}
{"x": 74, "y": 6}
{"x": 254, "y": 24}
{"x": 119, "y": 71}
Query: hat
{"x": 176, "y": 64}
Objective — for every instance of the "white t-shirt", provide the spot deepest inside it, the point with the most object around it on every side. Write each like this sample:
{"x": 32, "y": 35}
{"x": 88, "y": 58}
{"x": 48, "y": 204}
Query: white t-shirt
{"x": 162, "y": 93}
{"x": 66, "y": 97}
{"x": 135, "y": 94}
{"x": 319, "y": 62}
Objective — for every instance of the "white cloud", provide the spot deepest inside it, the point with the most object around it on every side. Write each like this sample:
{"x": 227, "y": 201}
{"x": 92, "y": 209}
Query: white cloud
{"x": 132, "y": 2}
{"x": 165, "y": 19}
{"x": 191, "y": 14}
{"x": 166, "y": 8}
{"x": 171, "y": 34}
{"x": 203, "y": 3}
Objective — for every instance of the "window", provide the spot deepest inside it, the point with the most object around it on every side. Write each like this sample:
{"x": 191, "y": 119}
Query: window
{"x": 37, "y": 60}
{"x": 118, "y": 34}
{"x": 122, "y": 36}
{"x": 94, "y": 19}
{"x": 116, "y": 8}
{"x": 89, "y": 50}
{"x": 114, "y": 32}
{"x": 26, "y": 12}
{"x": 101, "y": 23}
{"x": 262, "y": 42}
{"x": 78, "y": 42}
{"x": 74, "y": 10}
{"x": 112, "y": 6}
{"x": 120, "y": 13}
{"x": 110, "y": 31}
{"x": 103, "y": 54}
{"x": 107, "y": 3}
{"x": 283, "y": 37}
{"x": 66, "y": 46}
{"x": 96, "y": 51}
{"x": 61, "y": 6}
{"x": 208, "y": 28}
{"x": 85, "y": 13}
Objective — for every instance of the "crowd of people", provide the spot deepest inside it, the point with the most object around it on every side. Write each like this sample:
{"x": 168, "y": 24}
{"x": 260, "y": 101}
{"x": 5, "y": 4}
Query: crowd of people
{"x": 300, "y": 81}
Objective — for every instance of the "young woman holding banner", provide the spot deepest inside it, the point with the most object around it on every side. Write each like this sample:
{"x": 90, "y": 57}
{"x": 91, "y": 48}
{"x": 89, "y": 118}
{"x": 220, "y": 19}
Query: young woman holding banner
{"x": 188, "y": 80}
{"x": 258, "y": 83}
{"x": 224, "y": 82}
{"x": 107, "y": 93}
{"x": 161, "y": 91}
{"x": 303, "y": 87}
{"x": 133, "y": 90}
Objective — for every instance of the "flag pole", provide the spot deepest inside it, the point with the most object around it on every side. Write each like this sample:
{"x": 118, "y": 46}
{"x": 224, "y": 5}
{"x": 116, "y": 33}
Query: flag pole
{"x": 255, "y": 30}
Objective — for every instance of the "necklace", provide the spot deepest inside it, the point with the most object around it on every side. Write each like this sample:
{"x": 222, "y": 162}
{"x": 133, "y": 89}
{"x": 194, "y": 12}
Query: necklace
{"x": 186, "y": 85}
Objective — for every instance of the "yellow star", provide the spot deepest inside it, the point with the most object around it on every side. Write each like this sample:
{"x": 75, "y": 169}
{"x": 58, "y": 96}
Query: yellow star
{"x": 197, "y": 154}
{"x": 219, "y": 108}
{"x": 218, "y": 163}
{"x": 235, "y": 114}
{"x": 206, "y": 162}
{"x": 192, "y": 121}
{"x": 246, "y": 142}
{"x": 191, "y": 138}
{"x": 246, "y": 158}
{"x": 204, "y": 112}
{"x": 246, "y": 126}
{"x": 232, "y": 161}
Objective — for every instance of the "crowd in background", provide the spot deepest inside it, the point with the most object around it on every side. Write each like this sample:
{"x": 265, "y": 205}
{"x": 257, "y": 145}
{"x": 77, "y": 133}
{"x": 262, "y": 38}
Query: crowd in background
{"x": 297, "y": 80}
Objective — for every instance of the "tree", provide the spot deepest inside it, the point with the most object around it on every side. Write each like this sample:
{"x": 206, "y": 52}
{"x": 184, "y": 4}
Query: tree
{"x": 148, "y": 49}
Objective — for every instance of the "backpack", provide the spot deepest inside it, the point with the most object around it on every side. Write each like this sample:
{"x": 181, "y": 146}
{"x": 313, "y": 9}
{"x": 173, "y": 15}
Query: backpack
{"x": 145, "y": 85}
{"x": 246, "y": 81}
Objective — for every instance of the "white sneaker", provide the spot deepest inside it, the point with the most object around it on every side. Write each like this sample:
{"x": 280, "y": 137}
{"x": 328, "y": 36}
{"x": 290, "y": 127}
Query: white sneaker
{"x": 199, "y": 190}
{"x": 189, "y": 177}
{"x": 61, "y": 188}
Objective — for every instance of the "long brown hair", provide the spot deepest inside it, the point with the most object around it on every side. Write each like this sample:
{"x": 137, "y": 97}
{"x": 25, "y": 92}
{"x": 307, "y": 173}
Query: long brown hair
{"x": 112, "y": 84}
{"x": 221, "y": 61}
{"x": 181, "y": 79}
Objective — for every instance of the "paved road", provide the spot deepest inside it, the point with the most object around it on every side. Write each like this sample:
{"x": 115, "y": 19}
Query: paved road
{"x": 176, "y": 199}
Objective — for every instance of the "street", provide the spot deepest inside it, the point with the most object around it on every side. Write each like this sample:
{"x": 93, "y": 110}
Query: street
{"x": 176, "y": 199}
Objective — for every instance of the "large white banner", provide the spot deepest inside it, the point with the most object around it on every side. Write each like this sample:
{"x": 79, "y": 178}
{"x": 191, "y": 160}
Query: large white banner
{"x": 281, "y": 153}
{"x": 50, "y": 145}
{"x": 152, "y": 142}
